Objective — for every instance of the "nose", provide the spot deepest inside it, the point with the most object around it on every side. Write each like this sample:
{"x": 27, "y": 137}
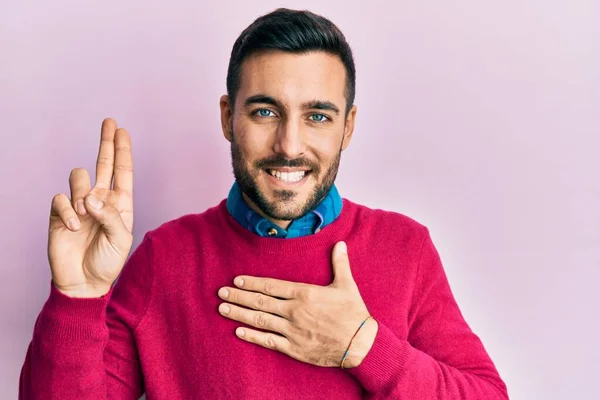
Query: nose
{"x": 290, "y": 140}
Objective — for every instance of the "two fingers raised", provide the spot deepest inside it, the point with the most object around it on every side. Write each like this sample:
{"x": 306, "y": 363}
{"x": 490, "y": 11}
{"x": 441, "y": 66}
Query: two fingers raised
{"x": 114, "y": 167}
{"x": 114, "y": 158}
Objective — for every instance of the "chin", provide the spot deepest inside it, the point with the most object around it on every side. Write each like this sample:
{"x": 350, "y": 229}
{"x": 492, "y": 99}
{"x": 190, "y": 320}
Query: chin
{"x": 287, "y": 210}
{"x": 284, "y": 204}
{"x": 285, "y": 201}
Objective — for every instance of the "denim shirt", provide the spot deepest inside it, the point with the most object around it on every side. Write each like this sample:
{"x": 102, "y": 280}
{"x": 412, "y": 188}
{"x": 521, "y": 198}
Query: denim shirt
{"x": 322, "y": 215}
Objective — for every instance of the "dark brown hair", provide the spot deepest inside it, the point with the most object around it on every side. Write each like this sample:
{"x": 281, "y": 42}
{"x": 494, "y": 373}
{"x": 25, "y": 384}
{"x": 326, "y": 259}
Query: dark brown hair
{"x": 295, "y": 32}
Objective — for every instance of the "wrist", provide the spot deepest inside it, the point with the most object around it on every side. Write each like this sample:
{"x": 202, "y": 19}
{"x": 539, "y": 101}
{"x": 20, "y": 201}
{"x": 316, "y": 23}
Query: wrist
{"x": 362, "y": 344}
{"x": 85, "y": 292}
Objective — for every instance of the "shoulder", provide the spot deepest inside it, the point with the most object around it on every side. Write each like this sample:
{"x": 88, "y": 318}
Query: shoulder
{"x": 380, "y": 216}
{"x": 376, "y": 223}
{"x": 187, "y": 228}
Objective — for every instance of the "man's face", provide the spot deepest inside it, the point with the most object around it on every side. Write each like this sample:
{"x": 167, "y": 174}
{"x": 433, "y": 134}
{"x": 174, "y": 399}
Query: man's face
{"x": 288, "y": 130}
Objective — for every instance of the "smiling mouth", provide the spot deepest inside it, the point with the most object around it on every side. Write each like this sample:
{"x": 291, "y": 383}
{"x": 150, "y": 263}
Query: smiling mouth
{"x": 289, "y": 176}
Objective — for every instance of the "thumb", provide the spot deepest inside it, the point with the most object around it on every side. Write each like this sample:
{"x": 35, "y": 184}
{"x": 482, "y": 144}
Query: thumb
{"x": 109, "y": 219}
{"x": 342, "y": 275}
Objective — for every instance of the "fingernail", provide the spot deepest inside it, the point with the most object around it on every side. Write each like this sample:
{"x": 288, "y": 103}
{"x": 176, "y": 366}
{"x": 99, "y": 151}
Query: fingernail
{"x": 80, "y": 207}
{"x": 239, "y": 282}
{"x": 223, "y": 293}
{"x": 224, "y": 309}
{"x": 240, "y": 332}
{"x": 73, "y": 223}
{"x": 343, "y": 248}
{"x": 96, "y": 203}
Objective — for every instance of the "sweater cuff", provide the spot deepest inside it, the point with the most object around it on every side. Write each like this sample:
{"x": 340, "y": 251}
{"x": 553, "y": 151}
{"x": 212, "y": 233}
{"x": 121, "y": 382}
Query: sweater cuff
{"x": 73, "y": 318}
{"x": 385, "y": 363}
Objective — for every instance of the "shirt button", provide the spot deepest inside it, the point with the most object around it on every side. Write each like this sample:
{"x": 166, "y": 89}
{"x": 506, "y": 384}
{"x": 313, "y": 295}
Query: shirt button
{"x": 272, "y": 232}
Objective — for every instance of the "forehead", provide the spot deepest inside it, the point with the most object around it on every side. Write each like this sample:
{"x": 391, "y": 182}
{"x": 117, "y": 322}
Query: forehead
{"x": 294, "y": 78}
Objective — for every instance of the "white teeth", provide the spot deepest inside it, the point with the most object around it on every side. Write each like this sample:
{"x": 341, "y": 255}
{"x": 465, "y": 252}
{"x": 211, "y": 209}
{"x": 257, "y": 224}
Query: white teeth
{"x": 288, "y": 176}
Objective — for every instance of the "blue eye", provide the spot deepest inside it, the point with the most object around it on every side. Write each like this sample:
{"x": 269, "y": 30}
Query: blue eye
{"x": 263, "y": 112}
{"x": 320, "y": 117}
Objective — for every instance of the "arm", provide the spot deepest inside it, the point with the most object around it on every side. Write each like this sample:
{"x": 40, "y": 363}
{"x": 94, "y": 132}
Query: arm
{"x": 84, "y": 348}
{"x": 442, "y": 358}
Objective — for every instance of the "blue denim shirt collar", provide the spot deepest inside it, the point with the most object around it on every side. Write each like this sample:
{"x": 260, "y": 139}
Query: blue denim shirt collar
{"x": 324, "y": 213}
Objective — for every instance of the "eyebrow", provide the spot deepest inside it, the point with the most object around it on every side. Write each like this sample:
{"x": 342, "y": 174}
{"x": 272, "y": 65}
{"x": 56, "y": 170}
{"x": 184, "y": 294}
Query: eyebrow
{"x": 310, "y": 105}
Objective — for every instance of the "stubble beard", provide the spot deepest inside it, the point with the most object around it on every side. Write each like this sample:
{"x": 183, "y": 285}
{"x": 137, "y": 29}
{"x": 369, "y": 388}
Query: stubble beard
{"x": 282, "y": 207}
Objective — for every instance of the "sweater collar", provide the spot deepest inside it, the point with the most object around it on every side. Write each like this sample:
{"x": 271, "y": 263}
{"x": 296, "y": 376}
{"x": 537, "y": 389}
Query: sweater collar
{"x": 322, "y": 215}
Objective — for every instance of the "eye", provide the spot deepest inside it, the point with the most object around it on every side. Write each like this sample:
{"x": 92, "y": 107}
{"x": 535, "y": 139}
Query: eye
{"x": 319, "y": 118}
{"x": 263, "y": 113}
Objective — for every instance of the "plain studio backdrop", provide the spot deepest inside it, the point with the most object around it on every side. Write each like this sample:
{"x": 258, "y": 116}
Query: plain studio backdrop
{"x": 480, "y": 119}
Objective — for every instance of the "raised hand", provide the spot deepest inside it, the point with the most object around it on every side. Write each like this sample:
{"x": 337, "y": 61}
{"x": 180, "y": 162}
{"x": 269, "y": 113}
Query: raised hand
{"x": 90, "y": 233}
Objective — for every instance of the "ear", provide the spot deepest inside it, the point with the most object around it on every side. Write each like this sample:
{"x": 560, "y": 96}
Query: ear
{"x": 226, "y": 117}
{"x": 349, "y": 127}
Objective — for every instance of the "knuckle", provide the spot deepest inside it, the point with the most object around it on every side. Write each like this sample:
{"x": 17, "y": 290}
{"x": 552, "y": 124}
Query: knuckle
{"x": 306, "y": 294}
{"x": 260, "y": 301}
{"x": 270, "y": 341}
{"x": 286, "y": 329}
{"x": 296, "y": 292}
{"x": 125, "y": 168}
{"x": 56, "y": 199}
{"x": 269, "y": 287}
{"x": 123, "y": 147}
{"x": 105, "y": 161}
{"x": 260, "y": 320}
{"x": 61, "y": 203}
{"x": 291, "y": 312}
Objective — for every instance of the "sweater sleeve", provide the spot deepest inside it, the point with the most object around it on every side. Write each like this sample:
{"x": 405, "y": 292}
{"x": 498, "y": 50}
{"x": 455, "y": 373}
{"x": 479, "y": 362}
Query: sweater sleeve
{"x": 441, "y": 358}
{"x": 84, "y": 348}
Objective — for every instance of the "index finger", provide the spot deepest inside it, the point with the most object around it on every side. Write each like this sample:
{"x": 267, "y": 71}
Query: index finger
{"x": 106, "y": 154}
{"x": 269, "y": 286}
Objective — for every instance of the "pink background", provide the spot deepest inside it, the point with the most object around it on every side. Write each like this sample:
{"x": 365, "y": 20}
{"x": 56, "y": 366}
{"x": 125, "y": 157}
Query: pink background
{"x": 480, "y": 119}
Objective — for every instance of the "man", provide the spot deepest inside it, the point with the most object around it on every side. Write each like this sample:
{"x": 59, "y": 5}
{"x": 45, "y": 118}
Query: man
{"x": 282, "y": 291}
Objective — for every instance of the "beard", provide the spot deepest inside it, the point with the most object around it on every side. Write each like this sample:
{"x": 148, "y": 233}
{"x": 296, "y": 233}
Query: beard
{"x": 282, "y": 207}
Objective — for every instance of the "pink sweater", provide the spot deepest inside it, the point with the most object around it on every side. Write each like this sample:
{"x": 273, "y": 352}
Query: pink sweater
{"x": 158, "y": 330}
